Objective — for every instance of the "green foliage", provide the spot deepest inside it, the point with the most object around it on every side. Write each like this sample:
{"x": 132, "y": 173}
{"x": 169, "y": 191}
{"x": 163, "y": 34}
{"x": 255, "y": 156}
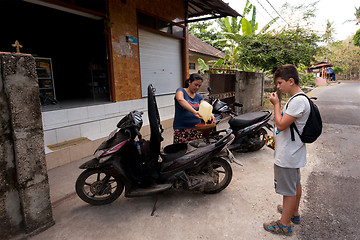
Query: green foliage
{"x": 357, "y": 16}
{"x": 206, "y": 32}
{"x": 220, "y": 63}
{"x": 246, "y": 27}
{"x": 202, "y": 65}
{"x": 338, "y": 70}
{"x": 299, "y": 13}
{"x": 229, "y": 24}
{"x": 268, "y": 25}
{"x": 306, "y": 79}
{"x": 268, "y": 51}
{"x": 343, "y": 54}
{"x": 328, "y": 36}
{"x": 356, "y": 37}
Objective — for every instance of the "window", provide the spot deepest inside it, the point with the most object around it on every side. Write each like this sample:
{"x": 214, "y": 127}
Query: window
{"x": 192, "y": 66}
{"x": 160, "y": 25}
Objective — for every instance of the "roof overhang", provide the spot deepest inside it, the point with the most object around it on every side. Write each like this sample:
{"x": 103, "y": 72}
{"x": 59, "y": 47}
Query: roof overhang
{"x": 211, "y": 9}
{"x": 322, "y": 65}
{"x": 70, "y": 8}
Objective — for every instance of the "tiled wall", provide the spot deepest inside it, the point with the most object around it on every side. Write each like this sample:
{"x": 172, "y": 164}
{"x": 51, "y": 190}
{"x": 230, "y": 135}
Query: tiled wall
{"x": 97, "y": 121}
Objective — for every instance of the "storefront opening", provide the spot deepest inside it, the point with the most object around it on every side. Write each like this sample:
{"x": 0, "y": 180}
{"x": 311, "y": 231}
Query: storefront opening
{"x": 75, "y": 45}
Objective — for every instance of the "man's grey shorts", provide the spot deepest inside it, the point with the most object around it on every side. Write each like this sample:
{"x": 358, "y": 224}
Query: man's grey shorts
{"x": 286, "y": 180}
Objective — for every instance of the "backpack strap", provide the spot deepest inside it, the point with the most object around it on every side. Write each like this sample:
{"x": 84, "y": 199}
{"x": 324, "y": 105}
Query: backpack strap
{"x": 293, "y": 125}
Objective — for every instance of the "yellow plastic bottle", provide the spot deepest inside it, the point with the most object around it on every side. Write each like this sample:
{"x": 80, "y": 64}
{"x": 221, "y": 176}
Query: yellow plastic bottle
{"x": 205, "y": 110}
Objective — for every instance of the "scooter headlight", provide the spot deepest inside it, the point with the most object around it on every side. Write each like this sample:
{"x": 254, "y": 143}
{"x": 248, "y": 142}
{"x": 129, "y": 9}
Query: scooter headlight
{"x": 98, "y": 153}
{"x": 104, "y": 159}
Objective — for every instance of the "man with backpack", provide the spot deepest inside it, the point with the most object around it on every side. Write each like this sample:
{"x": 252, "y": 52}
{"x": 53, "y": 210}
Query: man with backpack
{"x": 290, "y": 150}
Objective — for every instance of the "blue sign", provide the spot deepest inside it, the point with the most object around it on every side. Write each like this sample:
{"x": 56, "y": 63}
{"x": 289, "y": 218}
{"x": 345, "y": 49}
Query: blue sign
{"x": 329, "y": 70}
{"x": 131, "y": 39}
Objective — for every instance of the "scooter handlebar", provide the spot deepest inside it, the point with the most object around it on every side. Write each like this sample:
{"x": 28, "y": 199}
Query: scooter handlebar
{"x": 236, "y": 104}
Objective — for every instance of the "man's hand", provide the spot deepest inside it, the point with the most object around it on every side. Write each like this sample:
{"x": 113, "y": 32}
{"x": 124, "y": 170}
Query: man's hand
{"x": 274, "y": 99}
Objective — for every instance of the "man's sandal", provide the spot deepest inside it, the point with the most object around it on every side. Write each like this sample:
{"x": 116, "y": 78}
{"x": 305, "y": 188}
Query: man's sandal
{"x": 277, "y": 227}
{"x": 294, "y": 219}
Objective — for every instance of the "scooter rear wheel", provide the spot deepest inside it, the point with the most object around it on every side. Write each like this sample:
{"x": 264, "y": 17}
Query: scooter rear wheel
{"x": 221, "y": 171}
{"x": 259, "y": 139}
{"x": 96, "y": 187}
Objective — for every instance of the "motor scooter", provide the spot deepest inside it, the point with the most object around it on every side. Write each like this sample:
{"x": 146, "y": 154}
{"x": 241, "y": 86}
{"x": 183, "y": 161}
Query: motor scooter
{"x": 126, "y": 160}
{"x": 249, "y": 128}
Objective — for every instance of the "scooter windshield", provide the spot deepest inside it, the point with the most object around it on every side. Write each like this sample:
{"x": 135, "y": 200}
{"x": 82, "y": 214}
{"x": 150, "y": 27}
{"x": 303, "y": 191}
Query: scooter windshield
{"x": 154, "y": 120}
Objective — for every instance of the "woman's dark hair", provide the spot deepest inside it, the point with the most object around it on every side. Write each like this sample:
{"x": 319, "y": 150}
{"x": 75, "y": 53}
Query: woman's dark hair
{"x": 192, "y": 78}
{"x": 286, "y": 72}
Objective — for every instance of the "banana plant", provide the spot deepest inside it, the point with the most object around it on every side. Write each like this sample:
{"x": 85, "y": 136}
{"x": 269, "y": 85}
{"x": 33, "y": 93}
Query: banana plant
{"x": 202, "y": 65}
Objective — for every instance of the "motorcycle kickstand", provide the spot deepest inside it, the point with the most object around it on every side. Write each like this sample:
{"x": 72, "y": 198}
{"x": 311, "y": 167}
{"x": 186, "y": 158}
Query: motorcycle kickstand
{"x": 232, "y": 157}
{"x": 154, "y": 207}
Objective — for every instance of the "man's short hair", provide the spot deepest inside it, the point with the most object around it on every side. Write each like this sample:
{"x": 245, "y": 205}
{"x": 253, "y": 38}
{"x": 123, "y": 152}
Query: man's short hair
{"x": 286, "y": 72}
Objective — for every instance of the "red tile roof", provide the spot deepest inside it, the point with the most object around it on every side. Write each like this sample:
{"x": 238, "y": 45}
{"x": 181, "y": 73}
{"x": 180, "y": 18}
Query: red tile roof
{"x": 322, "y": 64}
{"x": 198, "y": 46}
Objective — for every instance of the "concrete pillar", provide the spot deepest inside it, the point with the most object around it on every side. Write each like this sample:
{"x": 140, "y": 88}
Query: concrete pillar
{"x": 249, "y": 90}
{"x": 24, "y": 194}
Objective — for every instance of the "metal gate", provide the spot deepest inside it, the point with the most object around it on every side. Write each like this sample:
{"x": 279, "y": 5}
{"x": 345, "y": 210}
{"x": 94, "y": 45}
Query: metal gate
{"x": 222, "y": 83}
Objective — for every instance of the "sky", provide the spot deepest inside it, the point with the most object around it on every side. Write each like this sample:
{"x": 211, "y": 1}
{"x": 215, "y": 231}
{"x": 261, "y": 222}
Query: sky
{"x": 334, "y": 10}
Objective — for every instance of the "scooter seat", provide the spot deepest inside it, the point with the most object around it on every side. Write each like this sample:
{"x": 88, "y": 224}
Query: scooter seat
{"x": 173, "y": 151}
{"x": 247, "y": 119}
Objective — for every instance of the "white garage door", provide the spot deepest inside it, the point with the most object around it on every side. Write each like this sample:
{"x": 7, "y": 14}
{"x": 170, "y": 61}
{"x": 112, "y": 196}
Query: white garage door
{"x": 160, "y": 62}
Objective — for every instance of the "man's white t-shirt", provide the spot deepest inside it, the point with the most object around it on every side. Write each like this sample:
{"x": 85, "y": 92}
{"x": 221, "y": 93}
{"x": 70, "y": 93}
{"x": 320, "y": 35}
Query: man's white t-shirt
{"x": 288, "y": 153}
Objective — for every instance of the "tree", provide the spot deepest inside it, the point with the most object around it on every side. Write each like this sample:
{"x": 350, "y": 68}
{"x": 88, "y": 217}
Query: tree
{"x": 299, "y": 14}
{"x": 297, "y": 46}
{"x": 205, "y": 31}
{"x": 357, "y": 16}
{"x": 338, "y": 70}
{"x": 343, "y": 55}
{"x": 267, "y": 50}
{"x": 356, "y": 38}
{"x": 328, "y": 36}
{"x": 346, "y": 55}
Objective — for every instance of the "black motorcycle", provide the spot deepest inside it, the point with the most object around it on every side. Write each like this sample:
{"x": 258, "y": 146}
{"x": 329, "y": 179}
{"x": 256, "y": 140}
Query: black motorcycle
{"x": 126, "y": 160}
{"x": 249, "y": 128}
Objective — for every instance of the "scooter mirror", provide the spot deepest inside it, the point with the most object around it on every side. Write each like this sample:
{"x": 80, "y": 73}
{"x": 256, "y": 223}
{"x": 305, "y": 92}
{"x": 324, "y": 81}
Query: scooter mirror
{"x": 209, "y": 90}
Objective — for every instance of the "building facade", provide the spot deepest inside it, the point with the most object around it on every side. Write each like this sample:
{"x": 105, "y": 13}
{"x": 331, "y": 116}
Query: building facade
{"x": 95, "y": 60}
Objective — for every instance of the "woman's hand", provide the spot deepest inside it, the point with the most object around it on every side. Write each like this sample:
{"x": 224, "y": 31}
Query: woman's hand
{"x": 212, "y": 118}
{"x": 196, "y": 114}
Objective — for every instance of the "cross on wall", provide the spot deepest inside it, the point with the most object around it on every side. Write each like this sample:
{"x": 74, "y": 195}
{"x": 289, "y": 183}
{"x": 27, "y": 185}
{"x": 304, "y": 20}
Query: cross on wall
{"x": 17, "y": 46}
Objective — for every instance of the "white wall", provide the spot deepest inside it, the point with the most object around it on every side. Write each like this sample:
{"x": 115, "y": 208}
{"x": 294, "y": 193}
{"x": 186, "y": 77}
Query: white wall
{"x": 97, "y": 121}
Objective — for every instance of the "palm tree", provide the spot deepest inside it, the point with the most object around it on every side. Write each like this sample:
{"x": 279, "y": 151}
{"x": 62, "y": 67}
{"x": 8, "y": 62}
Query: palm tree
{"x": 328, "y": 36}
{"x": 357, "y": 16}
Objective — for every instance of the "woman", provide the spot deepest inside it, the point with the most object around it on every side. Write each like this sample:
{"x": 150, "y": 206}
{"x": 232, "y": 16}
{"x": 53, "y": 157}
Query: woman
{"x": 187, "y": 102}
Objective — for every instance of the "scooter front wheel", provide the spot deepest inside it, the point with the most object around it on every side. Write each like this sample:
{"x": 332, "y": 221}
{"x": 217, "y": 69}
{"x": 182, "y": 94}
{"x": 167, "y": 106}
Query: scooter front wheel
{"x": 96, "y": 187}
{"x": 221, "y": 171}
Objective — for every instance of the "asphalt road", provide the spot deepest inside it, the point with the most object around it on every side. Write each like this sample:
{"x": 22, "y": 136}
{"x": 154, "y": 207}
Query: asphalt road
{"x": 330, "y": 207}
{"x": 332, "y": 195}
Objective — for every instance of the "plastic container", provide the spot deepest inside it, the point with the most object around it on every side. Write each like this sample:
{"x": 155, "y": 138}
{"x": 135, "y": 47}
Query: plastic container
{"x": 205, "y": 110}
